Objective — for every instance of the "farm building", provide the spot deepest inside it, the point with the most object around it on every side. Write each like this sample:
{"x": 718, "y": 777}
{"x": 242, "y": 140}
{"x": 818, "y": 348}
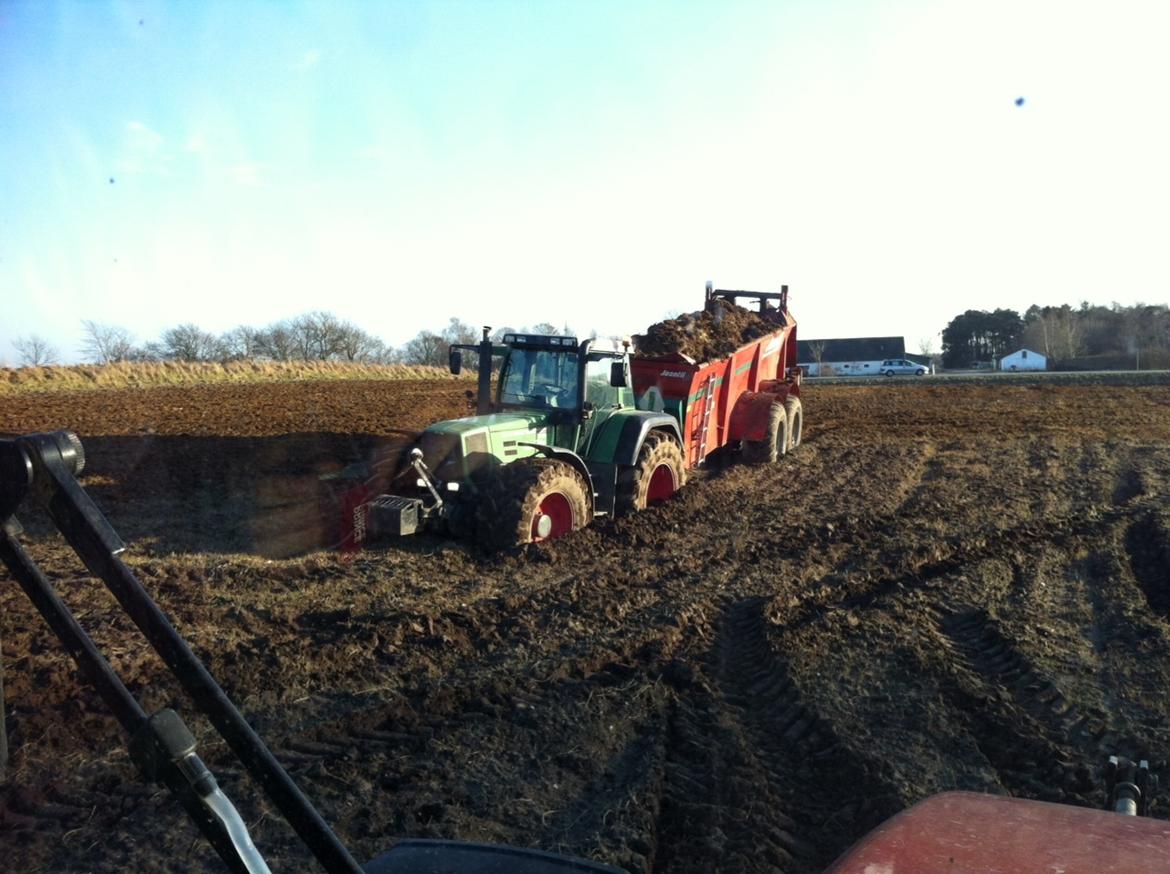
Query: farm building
{"x": 1023, "y": 359}
{"x": 852, "y": 356}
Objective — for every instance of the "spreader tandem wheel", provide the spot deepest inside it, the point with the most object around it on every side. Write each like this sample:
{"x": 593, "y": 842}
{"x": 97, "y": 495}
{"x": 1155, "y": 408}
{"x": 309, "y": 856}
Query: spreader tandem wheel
{"x": 530, "y": 501}
{"x": 795, "y": 416}
{"x": 775, "y": 441}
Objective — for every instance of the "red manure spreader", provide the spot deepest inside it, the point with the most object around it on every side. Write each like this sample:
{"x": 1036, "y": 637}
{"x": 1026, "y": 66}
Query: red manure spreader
{"x": 749, "y": 398}
{"x": 569, "y": 430}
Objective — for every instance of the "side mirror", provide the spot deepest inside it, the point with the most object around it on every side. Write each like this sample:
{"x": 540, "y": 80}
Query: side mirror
{"x": 617, "y": 374}
{"x": 455, "y": 361}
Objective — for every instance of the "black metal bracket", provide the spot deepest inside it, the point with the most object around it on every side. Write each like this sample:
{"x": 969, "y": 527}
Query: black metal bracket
{"x": 1129, "y": 786}
{"x": 43, "y": 468}
{"x": 761, "y": 297}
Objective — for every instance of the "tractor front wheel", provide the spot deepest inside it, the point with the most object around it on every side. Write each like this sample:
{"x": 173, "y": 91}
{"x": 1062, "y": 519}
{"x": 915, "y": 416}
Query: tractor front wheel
{"x": 659, "y": 473}
{"x": 530, "y": 501}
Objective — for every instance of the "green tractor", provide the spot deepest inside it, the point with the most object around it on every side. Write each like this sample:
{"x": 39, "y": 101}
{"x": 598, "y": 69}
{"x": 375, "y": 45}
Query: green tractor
{"x": 560, "y": 443}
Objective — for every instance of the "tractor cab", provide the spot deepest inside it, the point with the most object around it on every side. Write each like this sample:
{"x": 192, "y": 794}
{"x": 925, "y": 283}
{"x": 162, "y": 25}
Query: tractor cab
{"x": 543, "y": 372}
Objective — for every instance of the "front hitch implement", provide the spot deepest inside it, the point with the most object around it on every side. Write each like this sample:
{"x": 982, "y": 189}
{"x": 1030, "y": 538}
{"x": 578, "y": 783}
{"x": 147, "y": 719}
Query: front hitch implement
{"x": 397, "y": 516}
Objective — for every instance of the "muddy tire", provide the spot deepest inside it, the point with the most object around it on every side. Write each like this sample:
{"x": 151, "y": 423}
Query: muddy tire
{"x": 660, "y": 472}
{"x": 795, "y": 416}
{"x": 775, "y": 442}
{"x": 529, "y": 501}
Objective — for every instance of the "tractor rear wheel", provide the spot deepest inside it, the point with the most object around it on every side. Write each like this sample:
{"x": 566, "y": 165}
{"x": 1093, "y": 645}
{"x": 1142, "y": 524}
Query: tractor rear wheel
{"x": 795, "y": 415}
{"x": 659, "y": 473}
{"x": 775, "y": 442}
{"x": 530, "y": 501}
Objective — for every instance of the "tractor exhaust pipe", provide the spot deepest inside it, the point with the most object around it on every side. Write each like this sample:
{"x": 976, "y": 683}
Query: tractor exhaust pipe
{"x": 483, "y": 403}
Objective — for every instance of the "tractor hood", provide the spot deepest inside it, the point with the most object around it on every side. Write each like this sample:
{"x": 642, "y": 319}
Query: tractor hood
{"x": 496, "y": 423}
{"x": 459, "y": 448}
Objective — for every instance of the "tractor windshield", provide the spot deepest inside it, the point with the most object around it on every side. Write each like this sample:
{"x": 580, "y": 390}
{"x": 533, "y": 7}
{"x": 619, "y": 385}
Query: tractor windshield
{"x": 540, "y": 378}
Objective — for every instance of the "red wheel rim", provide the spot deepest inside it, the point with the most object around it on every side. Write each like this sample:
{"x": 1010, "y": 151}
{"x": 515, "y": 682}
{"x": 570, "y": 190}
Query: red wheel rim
{"x": 558, "y": 511}
{"x": 661, "y": 484}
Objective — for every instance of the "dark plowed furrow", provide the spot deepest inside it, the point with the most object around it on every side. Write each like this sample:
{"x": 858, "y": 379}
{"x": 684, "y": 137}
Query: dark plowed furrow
{"x": 756, "y": 745}
{"x": 1148, "y": 545}
{"x": 717, "y": 810}
{"x": 981, "y": 545}
{"x": 1028, "y": 733}
{"x": 1130, "y": 485}
{"x": 759, "y": 685}
{"x": 991, "y": 654}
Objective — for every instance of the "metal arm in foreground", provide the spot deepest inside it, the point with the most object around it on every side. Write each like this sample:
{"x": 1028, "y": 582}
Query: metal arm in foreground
{"x": 43, "y": 468}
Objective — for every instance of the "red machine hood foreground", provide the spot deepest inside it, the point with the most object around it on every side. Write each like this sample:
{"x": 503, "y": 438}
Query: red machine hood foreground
{"x": 967, "y": 833}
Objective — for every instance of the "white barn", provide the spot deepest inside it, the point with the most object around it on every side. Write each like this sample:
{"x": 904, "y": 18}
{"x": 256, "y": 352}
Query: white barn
{"x": 852, "y": 356}
{"x": 1023, "y": 359}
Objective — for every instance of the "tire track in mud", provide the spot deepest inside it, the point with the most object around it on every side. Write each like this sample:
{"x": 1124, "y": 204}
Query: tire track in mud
{"x": 916, "y": 572}
{"x": 1147, "y": 543}
{"x": 1129, "y": 634}
{"x": 566, "y": 705}
{"x": 563, "y": 698}
{"x": 1130, "y": 481}
{"x": 1023, "y": 720}
{"x": 1069, "y": 723}
{"x": 754, "y": 778}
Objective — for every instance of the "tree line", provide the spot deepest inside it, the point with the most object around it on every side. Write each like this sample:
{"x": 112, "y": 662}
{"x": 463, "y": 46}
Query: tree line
{"x": 315, "y": 336}
{"x": 1090, "y": 336}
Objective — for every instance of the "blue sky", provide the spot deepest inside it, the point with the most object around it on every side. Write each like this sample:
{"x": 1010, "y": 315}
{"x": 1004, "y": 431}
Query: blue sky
{"x": 590, "y": 163}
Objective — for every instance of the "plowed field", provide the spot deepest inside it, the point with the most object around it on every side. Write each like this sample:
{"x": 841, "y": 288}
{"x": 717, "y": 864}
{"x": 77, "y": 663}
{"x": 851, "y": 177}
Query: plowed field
{"x": 947, "y": 586}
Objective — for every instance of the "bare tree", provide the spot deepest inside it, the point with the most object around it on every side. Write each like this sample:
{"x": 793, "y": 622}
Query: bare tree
{"x": 426, "y": 348}
{"x": 317, "y": 336}
{"x": 105, "y": 344}
{"x": 817, "y": 349}
{"x": 277, "y": 342}
{"x": 458, "y": 331}
{"x": 242, "y": 343}
{"x": 390, "y": 355}
{"x": 35, "y": 351}
{"x": 354, "y": 344}
{"x": 926, "y": 347}
{"x": 1058, "y": 331}
{"x": 189, "y": 342}
{"x": 152, "y": 351}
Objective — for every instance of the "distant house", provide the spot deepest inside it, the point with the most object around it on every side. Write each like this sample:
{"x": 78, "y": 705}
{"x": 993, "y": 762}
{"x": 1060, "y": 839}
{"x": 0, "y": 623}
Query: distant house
{"x": 852, "y": 356}
{"x": 1024, "y": 359}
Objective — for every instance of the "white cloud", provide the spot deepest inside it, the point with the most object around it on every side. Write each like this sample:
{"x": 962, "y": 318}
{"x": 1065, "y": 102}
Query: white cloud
{"x": 308, "y": 60}
{"x": 196, "y": 144}
{"x": 143, "y": 151}
{"x": 247, "y": 173}
{"x": 374, "y": 153}
{"x": 144, "y": 136}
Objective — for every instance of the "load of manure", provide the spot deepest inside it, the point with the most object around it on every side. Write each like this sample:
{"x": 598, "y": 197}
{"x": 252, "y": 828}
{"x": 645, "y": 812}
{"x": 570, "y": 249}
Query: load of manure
{"x": 707, "y": 335}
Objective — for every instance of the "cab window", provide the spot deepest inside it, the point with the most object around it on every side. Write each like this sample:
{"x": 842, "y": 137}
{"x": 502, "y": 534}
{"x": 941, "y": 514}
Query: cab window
{"x": 541, "y": 378}
{"x": 598, "y": 391}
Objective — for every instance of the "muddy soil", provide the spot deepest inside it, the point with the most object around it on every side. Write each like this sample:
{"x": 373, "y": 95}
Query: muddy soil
{"x": 947, "y": 586}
